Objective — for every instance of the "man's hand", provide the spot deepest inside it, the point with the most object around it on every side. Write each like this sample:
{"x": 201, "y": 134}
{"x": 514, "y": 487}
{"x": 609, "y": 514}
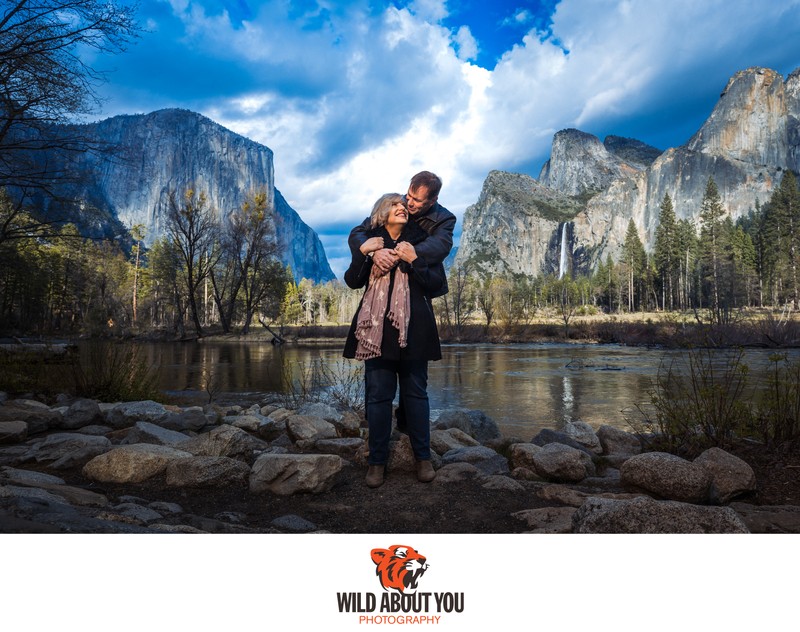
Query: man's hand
{"x": 385, "y": 259}
{"x": 406, "y": 251}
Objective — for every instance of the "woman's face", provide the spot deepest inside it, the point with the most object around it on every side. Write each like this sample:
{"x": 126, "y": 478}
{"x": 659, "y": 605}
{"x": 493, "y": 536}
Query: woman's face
{"x": 398, "y": 214}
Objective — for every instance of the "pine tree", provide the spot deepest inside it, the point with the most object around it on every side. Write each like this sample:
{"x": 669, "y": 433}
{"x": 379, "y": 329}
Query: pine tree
{"x": 667, "y": 252}
{"x": 711, "y": 240}
{"x": 635, "y": 259}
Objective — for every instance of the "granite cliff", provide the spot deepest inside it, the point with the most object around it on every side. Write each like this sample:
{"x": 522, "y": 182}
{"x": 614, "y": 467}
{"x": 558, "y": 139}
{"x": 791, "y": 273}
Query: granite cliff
{"x": 750, "y": 138}
{"x": 151, "y": 155}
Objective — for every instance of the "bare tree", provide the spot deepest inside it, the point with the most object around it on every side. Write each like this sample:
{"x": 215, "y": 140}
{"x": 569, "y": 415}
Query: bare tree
{"x": 192, "y": 227}
{"x": 45, "y": 79}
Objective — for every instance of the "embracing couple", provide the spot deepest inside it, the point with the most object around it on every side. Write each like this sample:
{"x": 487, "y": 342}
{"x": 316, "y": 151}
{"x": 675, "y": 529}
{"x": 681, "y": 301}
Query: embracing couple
{"x": 398, "y": 253}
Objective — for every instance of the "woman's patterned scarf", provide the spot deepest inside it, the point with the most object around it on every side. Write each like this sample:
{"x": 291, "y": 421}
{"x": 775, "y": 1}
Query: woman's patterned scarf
{"x": 369, "y": 322}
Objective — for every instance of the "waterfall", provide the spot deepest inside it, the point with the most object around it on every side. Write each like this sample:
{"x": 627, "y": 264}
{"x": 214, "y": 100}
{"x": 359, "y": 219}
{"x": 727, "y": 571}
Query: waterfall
{"x": 562, "y": 263}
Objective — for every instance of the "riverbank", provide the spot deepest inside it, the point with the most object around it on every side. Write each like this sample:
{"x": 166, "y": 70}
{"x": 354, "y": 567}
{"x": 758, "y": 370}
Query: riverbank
{"x": 90, "y": 467}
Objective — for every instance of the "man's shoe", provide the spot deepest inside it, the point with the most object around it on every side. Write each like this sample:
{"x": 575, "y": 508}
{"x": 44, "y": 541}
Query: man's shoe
{"x": 375, "y": 475}
{"x": 425, "y": 471}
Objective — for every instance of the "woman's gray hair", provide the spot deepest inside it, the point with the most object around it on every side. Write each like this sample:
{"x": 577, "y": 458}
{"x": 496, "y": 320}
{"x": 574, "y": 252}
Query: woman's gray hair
{"x": 380, "y": 211}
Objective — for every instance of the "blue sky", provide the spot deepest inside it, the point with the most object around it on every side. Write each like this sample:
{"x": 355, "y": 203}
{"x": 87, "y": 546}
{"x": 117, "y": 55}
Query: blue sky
{"x": 355, "y": 97}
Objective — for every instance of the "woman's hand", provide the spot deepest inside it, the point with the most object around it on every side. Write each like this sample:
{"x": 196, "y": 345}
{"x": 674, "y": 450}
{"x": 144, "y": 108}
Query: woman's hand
{"x": 371, "y": 245}
{"x": 406, "y": 251}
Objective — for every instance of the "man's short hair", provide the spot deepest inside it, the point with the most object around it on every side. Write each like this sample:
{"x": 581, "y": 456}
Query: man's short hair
{"x": 430, "y": 181}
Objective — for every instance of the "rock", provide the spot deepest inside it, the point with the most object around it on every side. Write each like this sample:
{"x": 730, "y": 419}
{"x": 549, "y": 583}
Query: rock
{"x": 344, "y": 447}
{"x": 286, "y": 474}
{"x": 473, "y": 422}
{"x": 248, "y": 422}
{"x": 730, "y": 476}
{"x": 76, "y": 495}
{"x": 484, "y": 459}
{"x": 141, "y": 515}
{"x": 562, "y": 463}
{"x": 35, "y": 493}
{"x": 145, "y": 432}
{"x": 66, "y": 450}
{"x": 502, "y": 483}
{"x": 39, "y": 417}
{"x": 13, "y": 455}
{"x": 281, "y": 414}
{"x": 349, "y": 425}
{"x": 132, "y": 463}
{"x": 769, "y": 518}
{"x": 547, "y": 519}
{"x": 309, "y": 429}
{"x": 207, "y": 471}
{"x": 165, "y": 508}
{"x": 616, "y": 441}
{"x": 193, "y": 419}
{"x": 667, "y": 476}
{"x": 584, "y": 434}
{"x": 272, "y": 428}
{"x": 127, "y": 414}
{"x": 293, "y": 523}
{"x": 646, "y": 515}
{"x": 98, "y": 431}
{"x": 321, "y": 410}
{"x": 13, "y": 431}
{"x": 226, "y": 440}
{"x": 547, "y": 436}
{"x": 81, "y": 413}
{"x": 456, "y": 473}
{"x": 561, "y": 494}
{"x": 521, "y": 455}
{"x": 12, "y": 476}
{"x": 451, "y": 439}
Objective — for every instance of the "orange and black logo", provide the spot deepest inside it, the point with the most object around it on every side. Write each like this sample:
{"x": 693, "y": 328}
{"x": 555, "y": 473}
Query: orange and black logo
{"x": 399, "y": 567}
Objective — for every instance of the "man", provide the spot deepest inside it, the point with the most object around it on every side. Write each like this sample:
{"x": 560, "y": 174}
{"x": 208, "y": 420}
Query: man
{"x": 424, "y": 209}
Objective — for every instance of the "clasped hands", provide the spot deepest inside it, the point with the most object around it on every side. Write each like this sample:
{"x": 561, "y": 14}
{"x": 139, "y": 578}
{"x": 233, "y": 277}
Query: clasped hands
{"x": 387, "y": 258}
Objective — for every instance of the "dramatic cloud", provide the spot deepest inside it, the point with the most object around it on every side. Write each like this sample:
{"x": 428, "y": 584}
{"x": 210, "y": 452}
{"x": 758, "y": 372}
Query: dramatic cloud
{"x": 356, "y": 97}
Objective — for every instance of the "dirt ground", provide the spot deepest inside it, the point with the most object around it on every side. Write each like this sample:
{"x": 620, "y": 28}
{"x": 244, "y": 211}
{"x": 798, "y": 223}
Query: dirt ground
{"x": 402, "y": 504}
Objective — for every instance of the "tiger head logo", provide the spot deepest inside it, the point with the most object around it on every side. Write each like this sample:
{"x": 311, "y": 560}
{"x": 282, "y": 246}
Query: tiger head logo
{"x": 399, "y": 567}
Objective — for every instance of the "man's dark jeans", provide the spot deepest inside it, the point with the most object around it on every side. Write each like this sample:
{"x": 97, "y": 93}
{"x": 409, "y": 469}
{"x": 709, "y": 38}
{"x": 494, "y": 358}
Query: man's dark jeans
{"x": 381, "y": 380}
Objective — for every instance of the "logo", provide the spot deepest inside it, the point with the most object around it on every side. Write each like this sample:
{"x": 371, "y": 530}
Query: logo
{"x": 399, "y": 567}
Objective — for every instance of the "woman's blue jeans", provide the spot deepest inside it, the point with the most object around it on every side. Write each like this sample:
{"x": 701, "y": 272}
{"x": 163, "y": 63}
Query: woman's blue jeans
{"x": 381, "y": 378}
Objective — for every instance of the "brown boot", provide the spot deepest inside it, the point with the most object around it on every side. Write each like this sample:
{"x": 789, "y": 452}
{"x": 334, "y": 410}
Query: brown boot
{"x": 425, "y": 472}
{"x": 375, "y": 475}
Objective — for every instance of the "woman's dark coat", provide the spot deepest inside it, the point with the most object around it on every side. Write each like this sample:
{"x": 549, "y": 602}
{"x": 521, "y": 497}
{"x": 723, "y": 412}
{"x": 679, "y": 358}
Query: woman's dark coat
{"x": 423, "y": 335}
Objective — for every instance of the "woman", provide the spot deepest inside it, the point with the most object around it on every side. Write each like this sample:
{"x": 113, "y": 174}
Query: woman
{"x": 394, "y": 332}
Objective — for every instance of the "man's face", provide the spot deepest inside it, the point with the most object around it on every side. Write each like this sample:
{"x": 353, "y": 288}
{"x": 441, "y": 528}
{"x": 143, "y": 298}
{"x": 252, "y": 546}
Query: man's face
{"x": 417, "y": 200}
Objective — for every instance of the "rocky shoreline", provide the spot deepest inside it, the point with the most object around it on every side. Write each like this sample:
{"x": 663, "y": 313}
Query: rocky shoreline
{"x": 142, "y": 467}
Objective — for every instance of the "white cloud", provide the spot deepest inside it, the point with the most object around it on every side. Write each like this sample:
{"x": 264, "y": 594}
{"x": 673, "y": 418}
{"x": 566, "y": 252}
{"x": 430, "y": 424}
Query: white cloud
{"x": 466, "y": 44}
{"x": 375, "y": 98}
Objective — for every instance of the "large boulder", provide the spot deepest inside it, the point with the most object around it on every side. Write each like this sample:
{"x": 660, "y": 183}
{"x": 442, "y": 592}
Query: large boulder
{"x": 287, "y": 474}
{"x": 616, "y": 441}
{"x": 584, "y": 434}
{"x": 667, "y": 476}
{"x": 474, "y": 422}
{"x": 451, "y": 439}
{"x": 562, "y": 463}
{"x": 81, "y": 413}
{"x": 132, "y": 463}
{"x": 13, "y": 431}
{"x": 226, "y": 440}
{"x": 207, "y": 471}
{"x": 730, "y": 476}
{"x": 521, "y": 455}
{"x": 345, "y": 447}
{"x": 546, "y": 436}
{"x": 307, "y": 429}
{"x": 64, "y": 450}
{"x": 193, "y": 418}
{"x": 547, "y": 519}
{"x": 486, "y": 460}
{"x": 646, "y": 515}
{"x": 39, "y": 417}
{"x": 126, "y": 414}
{"x": 145, "y": 432}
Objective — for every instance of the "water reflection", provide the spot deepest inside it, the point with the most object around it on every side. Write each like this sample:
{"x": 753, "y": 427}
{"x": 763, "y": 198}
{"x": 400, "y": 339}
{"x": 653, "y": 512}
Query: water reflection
{"x": 524, "y": 388}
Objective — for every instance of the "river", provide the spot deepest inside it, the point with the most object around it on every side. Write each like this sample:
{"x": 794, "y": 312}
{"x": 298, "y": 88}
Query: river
{"x": 523, "y": 387}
